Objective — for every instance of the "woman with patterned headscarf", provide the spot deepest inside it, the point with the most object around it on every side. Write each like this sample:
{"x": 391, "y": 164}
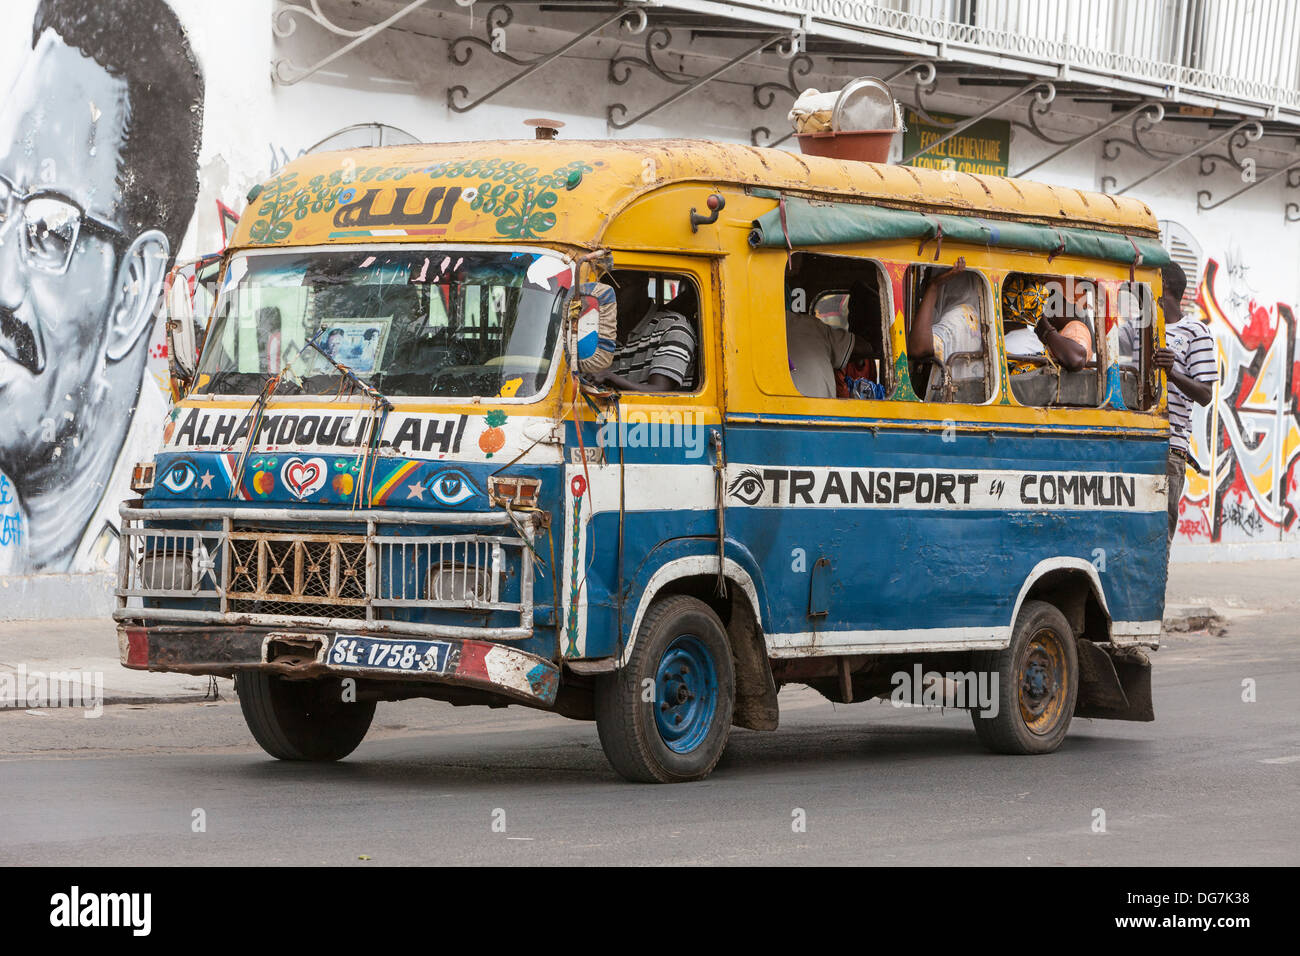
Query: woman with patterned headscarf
{"x": 1036, "y": 319}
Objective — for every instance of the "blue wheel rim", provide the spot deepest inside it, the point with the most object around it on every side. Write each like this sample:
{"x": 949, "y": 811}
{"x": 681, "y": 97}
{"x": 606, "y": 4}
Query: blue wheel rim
{"x": 686, "y": 694}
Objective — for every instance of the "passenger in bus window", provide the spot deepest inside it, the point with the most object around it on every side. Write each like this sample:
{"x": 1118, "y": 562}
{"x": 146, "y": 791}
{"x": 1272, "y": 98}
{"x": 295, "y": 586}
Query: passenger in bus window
{"x": 818, "y": 351}
{"x": 657, "y": 349}
{"x": 860, "y": 378}
{"x": 947, "y": 326}
{"x": 1127, "y": 316}
{"x": 1038, "y": 318}
{"x": 1079, "y": 300}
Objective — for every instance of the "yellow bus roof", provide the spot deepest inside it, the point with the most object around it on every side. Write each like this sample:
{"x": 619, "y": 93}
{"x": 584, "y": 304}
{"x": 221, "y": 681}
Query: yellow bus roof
{"x": 566, "y": 191}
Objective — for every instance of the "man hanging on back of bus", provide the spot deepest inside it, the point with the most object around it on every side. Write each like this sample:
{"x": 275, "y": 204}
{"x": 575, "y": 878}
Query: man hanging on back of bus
{"x": 1188, "y": 360}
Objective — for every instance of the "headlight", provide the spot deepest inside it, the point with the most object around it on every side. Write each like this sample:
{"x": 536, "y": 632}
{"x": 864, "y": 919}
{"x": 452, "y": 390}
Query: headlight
{"x": 460, "y": 583}
{"x": 167, "y": 572}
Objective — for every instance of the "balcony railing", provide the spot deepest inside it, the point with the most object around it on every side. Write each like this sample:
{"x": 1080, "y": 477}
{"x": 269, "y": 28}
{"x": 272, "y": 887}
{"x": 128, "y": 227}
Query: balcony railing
{"x": 1247, "y": 51}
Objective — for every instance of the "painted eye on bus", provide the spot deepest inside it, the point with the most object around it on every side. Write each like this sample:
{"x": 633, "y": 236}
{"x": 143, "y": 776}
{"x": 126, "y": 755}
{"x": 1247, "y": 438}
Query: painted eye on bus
{"x": 748, "y": 486}
{"x": 452, "y": 487}
{"x": 179, "y": 476}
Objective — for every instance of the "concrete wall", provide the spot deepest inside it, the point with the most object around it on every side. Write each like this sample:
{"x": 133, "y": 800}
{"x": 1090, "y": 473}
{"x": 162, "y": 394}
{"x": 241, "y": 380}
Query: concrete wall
{"x": 82, "y": 360}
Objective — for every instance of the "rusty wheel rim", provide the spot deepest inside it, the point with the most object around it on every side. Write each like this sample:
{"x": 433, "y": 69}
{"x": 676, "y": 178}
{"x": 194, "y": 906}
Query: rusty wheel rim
{"x": 1041, "y": 678}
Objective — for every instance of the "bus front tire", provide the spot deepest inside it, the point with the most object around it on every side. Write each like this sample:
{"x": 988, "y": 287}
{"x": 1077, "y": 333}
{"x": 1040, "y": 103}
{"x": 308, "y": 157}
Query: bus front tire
{"x": 1038, "y": 683}
{"x": 301, "y": 720}
{"x": 664, "y": 717}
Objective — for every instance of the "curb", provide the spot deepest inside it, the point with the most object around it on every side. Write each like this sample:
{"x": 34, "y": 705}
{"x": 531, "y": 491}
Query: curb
{"x": 169, "y": 699}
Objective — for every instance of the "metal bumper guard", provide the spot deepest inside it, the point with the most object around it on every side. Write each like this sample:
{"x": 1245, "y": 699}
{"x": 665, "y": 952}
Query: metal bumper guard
{"x": 497, "y": 668}
{"x": 291, "y": 577}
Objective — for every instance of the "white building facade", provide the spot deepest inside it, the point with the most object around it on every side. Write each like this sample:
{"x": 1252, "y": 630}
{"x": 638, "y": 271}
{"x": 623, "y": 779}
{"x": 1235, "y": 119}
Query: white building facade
{"x": 1190, "y": 105}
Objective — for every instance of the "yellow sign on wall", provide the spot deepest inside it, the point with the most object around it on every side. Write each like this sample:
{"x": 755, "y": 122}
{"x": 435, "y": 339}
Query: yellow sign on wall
{"x": 980, "y": 148}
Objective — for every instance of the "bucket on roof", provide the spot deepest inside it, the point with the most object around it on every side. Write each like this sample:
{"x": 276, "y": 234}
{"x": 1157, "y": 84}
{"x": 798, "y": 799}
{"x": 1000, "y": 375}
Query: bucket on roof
{"x": 859, "y": 122}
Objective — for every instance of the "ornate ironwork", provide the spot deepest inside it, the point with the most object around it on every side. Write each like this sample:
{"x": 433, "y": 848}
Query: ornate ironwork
{"x": 1111, "y": 148}
{"x": 1252, "y": 130}
{"x": 765, "y": 94}
{"x": 1241, "y": 134}
{"x": 284, "y": 23}
{"x": 926, "y": 77}
{"x": 499, "y": 17}
{"x": 1292, "y": 173}
{"x": 925, "y": 83}
{"x": 660, "y": 38}
{"x": 615, "y": 114}
{"x": 1044, "y": 92}
{"x": 1154, "y": 112}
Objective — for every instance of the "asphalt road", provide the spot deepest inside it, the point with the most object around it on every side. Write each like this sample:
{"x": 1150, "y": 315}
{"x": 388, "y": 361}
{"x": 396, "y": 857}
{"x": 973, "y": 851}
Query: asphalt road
{"x": 1215, "y": 780}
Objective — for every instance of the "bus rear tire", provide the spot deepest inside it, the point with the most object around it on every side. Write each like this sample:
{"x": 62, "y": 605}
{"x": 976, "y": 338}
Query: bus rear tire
{"x": 1038, "y": 683}
{"x": 665, "y": 716}
{"x": 301, "y": 720}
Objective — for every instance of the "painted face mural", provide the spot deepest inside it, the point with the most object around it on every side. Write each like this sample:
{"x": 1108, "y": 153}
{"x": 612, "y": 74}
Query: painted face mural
{"x": 98, "y": 176}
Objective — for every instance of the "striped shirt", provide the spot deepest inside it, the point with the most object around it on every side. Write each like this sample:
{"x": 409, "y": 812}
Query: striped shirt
{"x": 663, "y": 343}
{"x": 1193, "y": 345}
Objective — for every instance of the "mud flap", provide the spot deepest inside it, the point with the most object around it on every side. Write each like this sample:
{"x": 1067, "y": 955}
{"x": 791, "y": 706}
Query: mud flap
{"x": 1114, "y": 683}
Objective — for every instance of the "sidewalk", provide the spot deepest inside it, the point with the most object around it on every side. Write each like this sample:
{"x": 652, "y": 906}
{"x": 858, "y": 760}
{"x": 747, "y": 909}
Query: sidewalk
{"x": 1236, "y": 585}
{"x": 1200, "y": 597}
{"x": 89, "y": 646}
{"x": 1210, "y": 596}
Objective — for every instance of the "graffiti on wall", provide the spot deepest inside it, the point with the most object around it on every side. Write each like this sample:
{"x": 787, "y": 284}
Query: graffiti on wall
{"x": 99, "y": 141}
{"x": 1243, "y": 474}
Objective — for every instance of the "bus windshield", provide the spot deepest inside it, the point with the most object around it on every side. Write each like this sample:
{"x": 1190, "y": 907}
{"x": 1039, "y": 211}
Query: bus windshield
{"x": 409, "y": 321}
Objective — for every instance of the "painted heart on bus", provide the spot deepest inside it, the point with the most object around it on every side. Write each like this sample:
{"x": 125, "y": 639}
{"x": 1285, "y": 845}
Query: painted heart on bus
{"x": 303, "y": 477}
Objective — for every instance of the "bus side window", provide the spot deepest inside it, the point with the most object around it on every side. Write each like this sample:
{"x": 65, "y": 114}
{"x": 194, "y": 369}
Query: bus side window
{"x": 1064, "y": 373}
{"x": 658, "y": 330}
{"x": 836, "y": 331}
{"x": 949, "y": 334}
{"x": 1135, "y": 324}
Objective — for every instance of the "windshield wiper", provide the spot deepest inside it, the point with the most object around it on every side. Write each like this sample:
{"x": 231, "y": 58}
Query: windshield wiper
{"x": 360, "y": 384}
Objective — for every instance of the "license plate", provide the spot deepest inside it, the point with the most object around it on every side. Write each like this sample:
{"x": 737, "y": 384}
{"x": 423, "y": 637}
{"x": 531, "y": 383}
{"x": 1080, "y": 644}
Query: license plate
{"x": 416, "y": 657}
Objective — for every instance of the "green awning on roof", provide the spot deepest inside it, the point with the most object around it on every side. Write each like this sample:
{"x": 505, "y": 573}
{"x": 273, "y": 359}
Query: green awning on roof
{"x": 812, "y": 223}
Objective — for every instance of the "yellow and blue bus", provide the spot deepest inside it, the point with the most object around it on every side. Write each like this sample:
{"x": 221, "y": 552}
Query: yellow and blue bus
{"x": 398, "y": 470}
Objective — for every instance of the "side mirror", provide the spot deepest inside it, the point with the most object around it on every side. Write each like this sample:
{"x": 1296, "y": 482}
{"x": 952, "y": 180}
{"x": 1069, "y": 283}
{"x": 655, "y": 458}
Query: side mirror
{"x": 182, "y": 349}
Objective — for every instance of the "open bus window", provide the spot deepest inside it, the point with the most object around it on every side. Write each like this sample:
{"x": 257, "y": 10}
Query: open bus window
{"x": 835, "y": 314}
{"x": 1049, "y": 331}
{"x": 1135, "y": 325}
{"x": 658, "y": 344}
{"x": 949, "y": 333}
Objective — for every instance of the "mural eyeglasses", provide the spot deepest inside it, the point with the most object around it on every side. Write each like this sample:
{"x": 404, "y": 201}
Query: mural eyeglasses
{"x": 51, "y": 224}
